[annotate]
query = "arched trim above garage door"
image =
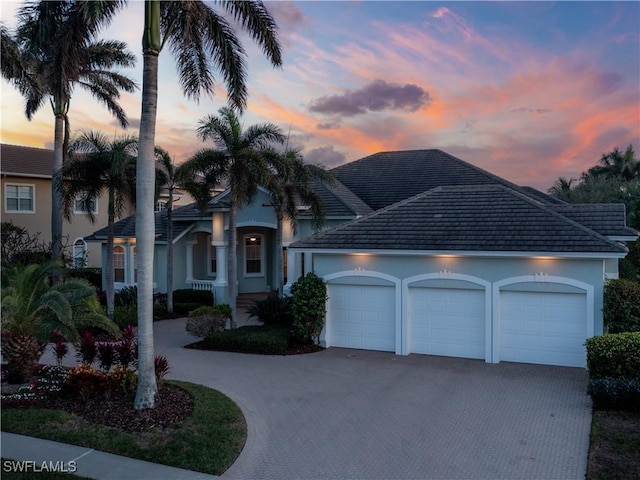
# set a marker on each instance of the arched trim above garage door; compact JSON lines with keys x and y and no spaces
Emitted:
{"x":540,"y":279}
{"x":444,"y":276}
{"x":369,"y":277}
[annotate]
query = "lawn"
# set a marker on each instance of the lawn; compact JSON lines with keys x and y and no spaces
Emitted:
{"x":615,"y":445}
{"x":208,"y":441}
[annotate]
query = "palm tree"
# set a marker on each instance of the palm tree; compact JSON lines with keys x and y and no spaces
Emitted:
{"x":58,"y":50}
{"x":200,"y":39}
{"x":618,"y":164}
{"x":32,"y":308}
{"x":168,"y":179}
{"x":96,"y":165}
{"x":291,"y":188}
{"x":561,"y":188}
{"x":243,"y":159}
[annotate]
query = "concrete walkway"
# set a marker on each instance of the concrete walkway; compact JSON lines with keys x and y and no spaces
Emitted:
{"x":355,"y":414}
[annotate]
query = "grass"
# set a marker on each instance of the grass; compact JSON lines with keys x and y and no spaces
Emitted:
{"x":614,"y":452}
{"x":208,"y":441}
{"x":9,"y":472}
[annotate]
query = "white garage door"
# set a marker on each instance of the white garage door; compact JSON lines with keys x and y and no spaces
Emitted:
{"x":362,"y":316}
{"x":545,"y":328}
{"x":448,"y":322}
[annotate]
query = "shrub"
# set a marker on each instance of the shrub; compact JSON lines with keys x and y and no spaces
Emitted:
{"x":106,"y":355}
{"x":125,"y":315}
{"x":123,"y":379}
{"x":614,"y":355}
{"x":615,"y":393}
{"x":161,"y":365}
{"x":203,"y":321}
{"x":60,"y":348}
{"x":86,"y":348}
{"x":272,"y":310}
{"x":622,"y":306}
{"x":188,"y":295}
{"x":92,"y":275}
{"x":263,"y":340}
{"x":127,"y":348}
{"x":126,"y":296}
{"x":308,"y":308}
{"x":185,"y":308}
{"x":86,"y":382}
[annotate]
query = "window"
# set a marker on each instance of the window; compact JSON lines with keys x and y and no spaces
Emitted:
{"x":161,"y":206}
{"x":84,"y":205}
{"x":211,"y":259}
{"x":253,"y":254}
{"x":19,"y":198}
{"x":118,"y":264}
{"x":79,"y":253}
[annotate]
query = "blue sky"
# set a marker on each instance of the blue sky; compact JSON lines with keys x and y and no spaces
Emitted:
{"x":528,"y":90}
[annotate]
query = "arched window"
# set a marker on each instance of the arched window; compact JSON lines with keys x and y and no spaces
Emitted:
{"x":161,"y":206}
{"x":79,"y":253}
{"x":118,"y":263}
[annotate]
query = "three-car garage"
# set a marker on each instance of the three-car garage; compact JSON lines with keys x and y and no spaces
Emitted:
{"x":531,"y":319}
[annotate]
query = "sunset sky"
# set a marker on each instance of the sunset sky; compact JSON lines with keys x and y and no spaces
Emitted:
{"x":528,"y":90}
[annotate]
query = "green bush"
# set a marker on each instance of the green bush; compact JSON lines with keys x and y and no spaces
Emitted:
{"x":92,"y":275}
{"x":308,"y":308}
{"x":272,"y":340}
{"x":615,"y":393}
{"x":615,"y":355}
{"x":622,"y":306}
{"x":204,"y":321}
{"x":125,"y":315}
{"x":185,"y":308}
{"x":272,"y":310}
{"x":126,"y":296}
{"x":189,"y":295}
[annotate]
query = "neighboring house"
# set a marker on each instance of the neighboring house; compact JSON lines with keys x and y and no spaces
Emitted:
{"x":422,"y":253}
{"x":26,"y":201}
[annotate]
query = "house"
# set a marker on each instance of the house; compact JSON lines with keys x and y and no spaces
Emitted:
{"x":26,"y":201}
{"x":422,"y":253}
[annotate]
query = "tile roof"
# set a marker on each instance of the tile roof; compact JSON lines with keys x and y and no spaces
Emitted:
{"x":386,"y":178}
{"x":476,"y":218}
{"x":535,"y":193}
{"x":608,"y":219}
{"x":339,"y":201}
{"x":25,"y":161}
{"x":126,"y":228}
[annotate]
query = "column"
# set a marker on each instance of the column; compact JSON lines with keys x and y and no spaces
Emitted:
{"x":291,"y":271}
{"x":189,"y":259}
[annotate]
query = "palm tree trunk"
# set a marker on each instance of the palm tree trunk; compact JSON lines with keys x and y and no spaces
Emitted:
{"x":170,"y":252}
{"x":147,"y":391}
{"x":110,"y":275}
{"x":56,"y":200}
{"x":233,"y":262}
{"x":279,"y":255}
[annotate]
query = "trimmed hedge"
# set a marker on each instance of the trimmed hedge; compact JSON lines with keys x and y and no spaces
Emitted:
{"x":272,"y":340}
{"x":614,"y":355}
{"x":615,"y":393}
{"x":622,"y":306}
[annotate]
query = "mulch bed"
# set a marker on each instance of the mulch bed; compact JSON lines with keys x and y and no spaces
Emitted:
{"x":117,"y":411}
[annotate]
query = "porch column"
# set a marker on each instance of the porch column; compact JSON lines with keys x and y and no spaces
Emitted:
{"x":291,"y":271}
{"x":189,"y":265}
{"x":308,"y":263}
{"x":221,"y":283}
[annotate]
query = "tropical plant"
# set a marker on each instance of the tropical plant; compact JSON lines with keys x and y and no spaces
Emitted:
{"x":96,"y":165}
{"x":169,"y":180}
{"x":32,"y":308}
{"x":616,"y":164}
{"x":19,"y":247}
{"x":200,"y":39}
{"x":562,"y":188}
{"x":291,"y":189}
{"x":243,"y":160}
{"x":308,"y":308}
{"x":54,"y":50}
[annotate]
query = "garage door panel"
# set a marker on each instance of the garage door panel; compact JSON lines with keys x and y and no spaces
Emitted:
{"x":449,"y":322}
{"x":362,"y":316}
{"x":542,"y":327}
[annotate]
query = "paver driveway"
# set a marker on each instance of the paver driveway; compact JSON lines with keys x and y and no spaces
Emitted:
{"x":356,"y":414}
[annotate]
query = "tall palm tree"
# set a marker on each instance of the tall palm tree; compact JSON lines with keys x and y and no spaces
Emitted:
{"x":243,"y":159}
{"x":168,"y":179}
{"x":59,"y":50}
{"x":96,"y":165}
{"x":291,"y":188}
{"x":618,"y":164}
{"x":200,"y":39}
{"x":561,"y":188}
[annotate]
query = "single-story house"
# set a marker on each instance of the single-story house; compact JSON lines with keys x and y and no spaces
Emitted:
{"x":422,"y":253}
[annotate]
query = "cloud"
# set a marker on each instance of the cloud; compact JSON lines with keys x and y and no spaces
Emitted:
{"x":328,"y":126}
{"x":538,"y":111}
{"x":327,"y":156}
{"x":374,"y":97}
